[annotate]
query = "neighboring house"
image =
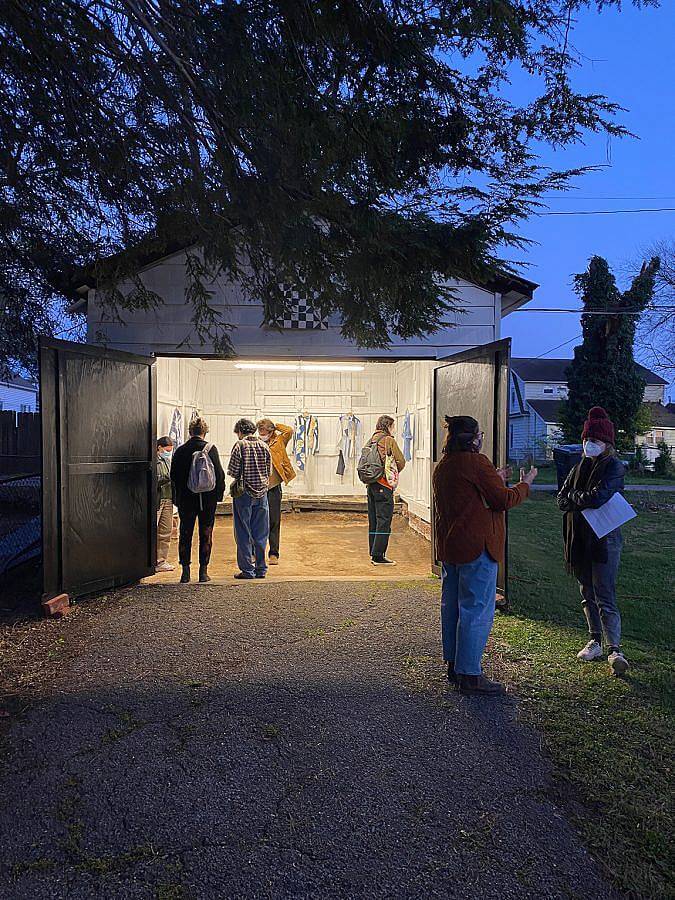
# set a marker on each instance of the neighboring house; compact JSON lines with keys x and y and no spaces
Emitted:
{"x":18,"y":394}
{"x":537,"y":388}
{"x":663,"y":429}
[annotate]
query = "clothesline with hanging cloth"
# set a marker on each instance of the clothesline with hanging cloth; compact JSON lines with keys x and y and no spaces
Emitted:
{"x":305,"y":439}
{"x":349,"y":440}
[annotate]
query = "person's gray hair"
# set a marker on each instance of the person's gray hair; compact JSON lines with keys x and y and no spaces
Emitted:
{"x":244,"y":426}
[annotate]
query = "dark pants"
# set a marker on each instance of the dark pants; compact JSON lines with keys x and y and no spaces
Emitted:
{"x":188,"y":517}
{"x":380,"y":514}
{"x":598,"y":592}
{"x":274,"y":500}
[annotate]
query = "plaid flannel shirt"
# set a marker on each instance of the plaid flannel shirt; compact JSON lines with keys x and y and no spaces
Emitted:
{"x":251,"y":460}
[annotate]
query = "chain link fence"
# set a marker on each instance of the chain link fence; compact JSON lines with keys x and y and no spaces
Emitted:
{"x":20,"y":524}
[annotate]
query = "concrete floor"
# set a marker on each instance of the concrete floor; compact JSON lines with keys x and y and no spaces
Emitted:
{"x":316,"y":546}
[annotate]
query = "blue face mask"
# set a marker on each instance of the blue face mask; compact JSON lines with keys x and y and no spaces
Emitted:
{"x":166,"y":455}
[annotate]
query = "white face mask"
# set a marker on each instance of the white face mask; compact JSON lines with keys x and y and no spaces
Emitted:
{"x":264,"y":437}
{"x":594,"y":448}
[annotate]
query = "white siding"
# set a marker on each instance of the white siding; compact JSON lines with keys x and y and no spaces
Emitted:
{"x":545,"y":390}
{"x":168,"y":329}
{"x":655,"y":393}
{"x":527,"y":434}
{"x":17,"y":398}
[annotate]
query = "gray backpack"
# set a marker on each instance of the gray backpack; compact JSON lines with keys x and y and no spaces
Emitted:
{"x":370,"y":468}
{"x":202,"y":475}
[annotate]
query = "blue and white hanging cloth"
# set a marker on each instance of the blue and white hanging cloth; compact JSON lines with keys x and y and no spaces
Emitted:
{"x":408,"y":435}
{"x":305,"y":439}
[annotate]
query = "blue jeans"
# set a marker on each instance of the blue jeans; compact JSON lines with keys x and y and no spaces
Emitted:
{"x":468,"y":594}
{"x":599,"y":594}
{"x":251,"y":531}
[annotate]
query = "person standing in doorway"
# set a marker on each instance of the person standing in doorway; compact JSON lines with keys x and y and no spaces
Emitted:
{"x":196,"y":507}
{"x":592,"y":560}
{"x":277,"y":437}
{"x":164,"y":504}
{"x":381,"y":492}
{"x":470,"y":498}
{"x":250,"y":466}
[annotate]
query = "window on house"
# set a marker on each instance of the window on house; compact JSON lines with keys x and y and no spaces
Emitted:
{"x":511,"y":437}
{"x":25,"y":407}
{"x":513,"y":398}
{"x":548,"y":390}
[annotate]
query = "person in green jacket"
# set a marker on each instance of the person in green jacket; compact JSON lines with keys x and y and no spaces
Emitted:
{"x":164,"y":504}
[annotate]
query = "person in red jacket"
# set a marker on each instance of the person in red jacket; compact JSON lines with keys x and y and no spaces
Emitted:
{"x":470,"y":497}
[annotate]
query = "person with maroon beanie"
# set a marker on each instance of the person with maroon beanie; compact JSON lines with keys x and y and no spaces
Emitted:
{"x":470,"y":498}
{"x":595,"y":561}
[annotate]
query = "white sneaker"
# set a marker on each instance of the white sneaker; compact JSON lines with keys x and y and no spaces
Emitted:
{"x":618,"y":663}
{"x":591,"y":651}
{"x":164,"y":567}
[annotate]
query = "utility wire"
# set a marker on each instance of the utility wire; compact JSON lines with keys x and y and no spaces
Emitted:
{"x":604,"y":212}
{"x":573,"y":197}
{"x":597,"y":312}
{"x":564,"y":343}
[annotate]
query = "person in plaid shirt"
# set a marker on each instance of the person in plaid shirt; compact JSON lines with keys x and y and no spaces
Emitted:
{"x":250,"y":466}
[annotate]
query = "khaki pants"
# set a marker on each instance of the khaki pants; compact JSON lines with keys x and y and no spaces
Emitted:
{"x":164,"y":529}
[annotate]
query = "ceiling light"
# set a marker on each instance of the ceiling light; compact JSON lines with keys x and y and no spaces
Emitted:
{"x":300,"y":367}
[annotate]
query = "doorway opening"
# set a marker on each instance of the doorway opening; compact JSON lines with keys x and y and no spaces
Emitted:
{"x":324,"y":531}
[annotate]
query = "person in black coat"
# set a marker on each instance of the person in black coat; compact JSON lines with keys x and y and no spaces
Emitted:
{"x":595,"y":561}
{"x":193,"y":507}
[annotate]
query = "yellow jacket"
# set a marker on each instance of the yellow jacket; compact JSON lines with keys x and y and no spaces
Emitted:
{"x":277,"y":444}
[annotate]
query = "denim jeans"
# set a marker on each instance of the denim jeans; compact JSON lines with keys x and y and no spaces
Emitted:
{"x":599,"y":594}
{"x":468,"y":594}
{"x":251,"y":532}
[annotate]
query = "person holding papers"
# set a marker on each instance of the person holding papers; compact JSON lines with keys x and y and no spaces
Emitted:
{"x":593,"y":560}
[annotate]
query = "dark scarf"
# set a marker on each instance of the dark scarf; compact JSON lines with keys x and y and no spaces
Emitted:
{"x":582,"y":546}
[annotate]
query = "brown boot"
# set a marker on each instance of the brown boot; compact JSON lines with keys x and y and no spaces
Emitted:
{"x":479,"y":684}
{"x":203,"y":574}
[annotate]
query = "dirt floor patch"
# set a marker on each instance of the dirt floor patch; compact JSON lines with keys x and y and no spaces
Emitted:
{"x":270,"y":740}
{"x":317,"y":545}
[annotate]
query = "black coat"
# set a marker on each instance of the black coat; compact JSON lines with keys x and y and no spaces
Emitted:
{"x":180,"y":469}
{"x":589,"y":485}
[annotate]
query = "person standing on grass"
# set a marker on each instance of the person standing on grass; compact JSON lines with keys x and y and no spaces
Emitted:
{"x":192,"y":506}
{"x":470,"y":498}
{"x":164,"y":504}
{"x":381,"y":492}
{"x":276,"y":436}
{"x":595,"y":561}
{"x":250,"y":466}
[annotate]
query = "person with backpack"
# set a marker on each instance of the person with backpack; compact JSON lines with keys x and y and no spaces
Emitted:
{"x":199,"y":484}
{"x":250,"y":466}
{"x":470,"y":499}
{"x":379,"y":467}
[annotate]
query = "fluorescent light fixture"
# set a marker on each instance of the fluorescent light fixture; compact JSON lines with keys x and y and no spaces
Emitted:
{"x":300,"y":367}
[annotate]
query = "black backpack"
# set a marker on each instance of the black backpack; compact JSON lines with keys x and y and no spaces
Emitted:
{"x":370,"y":468}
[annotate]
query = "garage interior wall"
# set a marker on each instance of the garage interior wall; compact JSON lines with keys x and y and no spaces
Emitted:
{"x":223,"y":393}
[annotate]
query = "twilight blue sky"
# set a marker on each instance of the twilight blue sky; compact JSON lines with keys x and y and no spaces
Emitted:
{"x":629,"y":57}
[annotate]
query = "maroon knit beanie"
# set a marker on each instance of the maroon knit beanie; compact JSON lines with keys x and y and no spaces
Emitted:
{"x":598,"y":426}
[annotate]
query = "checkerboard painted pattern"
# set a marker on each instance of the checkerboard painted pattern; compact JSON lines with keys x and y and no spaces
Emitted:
{"x":302,"y":314}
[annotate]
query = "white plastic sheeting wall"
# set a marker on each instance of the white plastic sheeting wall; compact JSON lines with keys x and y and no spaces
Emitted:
{"x":222,"y":394}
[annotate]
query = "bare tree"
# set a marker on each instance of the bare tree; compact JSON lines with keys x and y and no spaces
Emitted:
{"x":656,"y":330}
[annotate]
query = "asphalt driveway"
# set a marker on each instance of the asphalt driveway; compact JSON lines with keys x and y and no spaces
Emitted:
{"x":275,"y":740}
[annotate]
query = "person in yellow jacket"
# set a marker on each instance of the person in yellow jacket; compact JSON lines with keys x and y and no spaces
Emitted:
{"x":277,"y":437}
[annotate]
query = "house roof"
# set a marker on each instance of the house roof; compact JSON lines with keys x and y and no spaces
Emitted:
{"x":554,"y":370}
{"x":663,"y":416}
{"x":548,"y":410}
{"x":20,"y":382}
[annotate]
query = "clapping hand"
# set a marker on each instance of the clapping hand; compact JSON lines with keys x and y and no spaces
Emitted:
{"x":505,"y":473}
{"x":528,"y":477}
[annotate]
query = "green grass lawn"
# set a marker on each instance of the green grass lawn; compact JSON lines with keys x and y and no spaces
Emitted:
{"x":547,"y":475}
{"x":610,"y":738}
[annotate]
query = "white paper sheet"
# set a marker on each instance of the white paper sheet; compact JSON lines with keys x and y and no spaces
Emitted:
{"x":617,"y":511}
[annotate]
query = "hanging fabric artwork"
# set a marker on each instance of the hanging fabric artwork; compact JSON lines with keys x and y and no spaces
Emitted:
{"x":408,"y":435}
{"x":305,"y":439}
{"x":349,"y":440}
{"x":176,"y":427}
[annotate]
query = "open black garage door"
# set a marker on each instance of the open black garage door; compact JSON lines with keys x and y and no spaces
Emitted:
{"x":475,"y":383}
{"x":98,"y":467}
